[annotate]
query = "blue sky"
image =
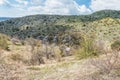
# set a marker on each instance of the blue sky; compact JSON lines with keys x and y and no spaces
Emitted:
{"x":17,"y":8}
{"x":83,"y":2}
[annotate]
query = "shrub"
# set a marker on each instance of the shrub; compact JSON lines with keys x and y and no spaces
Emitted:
{"x":116,"y":45}
{"x":16,"y":57}
{"x":3,"y":42}
{"x":36,"y":54}
{"x":87,"y":48}
{"x":36,"y":59}
{"x":33,"y":43}
{"x":110,"y":62}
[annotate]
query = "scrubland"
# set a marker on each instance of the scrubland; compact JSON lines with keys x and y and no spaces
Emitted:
{"x":46,"y":47}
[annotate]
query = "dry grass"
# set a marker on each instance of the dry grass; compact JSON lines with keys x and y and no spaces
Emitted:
{"x":68,"y":69}
{"x":10,"y":72}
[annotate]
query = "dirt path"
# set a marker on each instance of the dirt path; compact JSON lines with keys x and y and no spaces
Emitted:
{"x":67,"y":70}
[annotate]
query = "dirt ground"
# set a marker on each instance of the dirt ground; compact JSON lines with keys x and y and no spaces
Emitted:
{"x":68,"y":69}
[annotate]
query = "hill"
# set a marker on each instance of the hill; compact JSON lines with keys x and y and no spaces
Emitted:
{"x":4,"y":18}
{"x":88,"y":47}
{"x":39,"y":26}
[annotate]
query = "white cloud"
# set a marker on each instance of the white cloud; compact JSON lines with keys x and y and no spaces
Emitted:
{"x":97,"y":5}
{"x":4,"y":2}
{"x":62,"y":7}
{"x":22,"y":2}
{"x":30,"y":7}
{"x":37,"y":2}
{"x":84,"y":9}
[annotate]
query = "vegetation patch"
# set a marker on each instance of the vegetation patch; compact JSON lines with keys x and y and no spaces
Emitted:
{"x":4,"y":42}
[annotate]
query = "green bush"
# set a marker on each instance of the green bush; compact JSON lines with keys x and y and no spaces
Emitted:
{"x":3,"y":42}
{"x":116,"y":45}
{"x":87,"y":48}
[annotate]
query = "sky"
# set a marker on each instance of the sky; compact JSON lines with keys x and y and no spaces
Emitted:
{"x":18,"y":8}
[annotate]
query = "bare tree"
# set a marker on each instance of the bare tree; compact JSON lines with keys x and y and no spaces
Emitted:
{"x":110,"y":61}
{"x":37,"y":54}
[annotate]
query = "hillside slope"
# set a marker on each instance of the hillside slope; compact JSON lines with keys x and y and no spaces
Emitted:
{"x":39,"y":26}
{"x":4,"y":18}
